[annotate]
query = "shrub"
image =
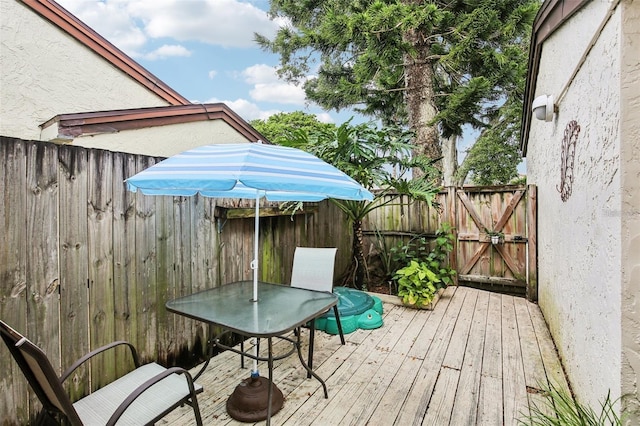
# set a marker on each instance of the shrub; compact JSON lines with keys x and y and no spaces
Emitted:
{"x":417,"y":284}
{"x":436,"y":259}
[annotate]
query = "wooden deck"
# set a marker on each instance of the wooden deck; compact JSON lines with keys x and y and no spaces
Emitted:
{"x":477,"y":358}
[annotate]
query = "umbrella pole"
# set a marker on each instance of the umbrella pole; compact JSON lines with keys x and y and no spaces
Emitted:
{"x":254,"y":263}
{"x":254,"y":266}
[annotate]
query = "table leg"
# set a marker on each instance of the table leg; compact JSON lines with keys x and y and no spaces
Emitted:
{"x":242,"y":352}
{"x":304,"y":363}
{"x":270,"y":392}
{"x":312,"y":329}
{"x":210,"y":344}
{"x":337,"y":315}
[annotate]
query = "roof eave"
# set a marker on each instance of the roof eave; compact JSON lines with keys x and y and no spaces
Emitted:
{"x":73,"y":125}
{"x":60,"y":17}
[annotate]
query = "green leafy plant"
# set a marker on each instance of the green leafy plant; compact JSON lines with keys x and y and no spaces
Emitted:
{"x":417,"y":284}
{"x":436,"y":259}
{"x":561,"y":409}
{"x":417,"y":248}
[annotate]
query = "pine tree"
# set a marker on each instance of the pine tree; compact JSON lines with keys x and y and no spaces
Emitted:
{"x":433,"y":66}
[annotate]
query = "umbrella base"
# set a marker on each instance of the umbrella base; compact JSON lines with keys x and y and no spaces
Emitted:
{"x":249,"y":400}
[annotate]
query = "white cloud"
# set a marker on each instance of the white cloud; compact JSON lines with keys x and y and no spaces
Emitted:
{"x":139,"y":26}
{"x":281,"y":93}
{"x":227,"y":23}
{"x":130,"y":23}
{"x":260,"y":74}
{"x":167,"y":50}
{"x":111,"y":20}
{"x":325,"y":117}
{"x":268,"y":88}
{"x":246,"y":109}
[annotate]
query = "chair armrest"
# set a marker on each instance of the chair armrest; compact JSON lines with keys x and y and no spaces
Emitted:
{"x":145,"y":386}
{"x":97,"y":351}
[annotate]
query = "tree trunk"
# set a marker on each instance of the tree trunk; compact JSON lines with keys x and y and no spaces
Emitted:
{"x":361,"y":272}
{"x":463,"y":172}
{"x":449,"y":161}
{"x":420,"y":98}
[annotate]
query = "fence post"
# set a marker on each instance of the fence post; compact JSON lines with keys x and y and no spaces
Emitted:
{"x":452,"y":218}
{"x":532,"y":245}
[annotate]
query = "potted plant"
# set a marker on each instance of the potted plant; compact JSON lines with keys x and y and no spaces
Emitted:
{"x":417,"y":284}
{"x":496,"y":237}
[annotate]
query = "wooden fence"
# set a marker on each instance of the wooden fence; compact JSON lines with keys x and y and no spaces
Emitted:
{"x":84,"y":262}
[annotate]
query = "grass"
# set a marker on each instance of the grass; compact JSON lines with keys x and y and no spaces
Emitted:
{"x":561,"y":409}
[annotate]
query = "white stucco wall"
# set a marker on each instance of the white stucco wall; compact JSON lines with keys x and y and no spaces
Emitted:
{"x":579,"y":244}
{"x":45,"y":72}
{"x":630,"y":208}
{"x":164,"y":141}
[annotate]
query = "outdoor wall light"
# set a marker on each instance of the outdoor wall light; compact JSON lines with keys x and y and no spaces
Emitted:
{"x":543,"y":107}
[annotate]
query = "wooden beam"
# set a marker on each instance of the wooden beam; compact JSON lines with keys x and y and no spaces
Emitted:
{"x":491,"y":280}
{"x":471,"y":209}
{"x":244,"y":213}
{"x":507,"y":258}
{"x":509,"y":210}
{"x":472,"y":261}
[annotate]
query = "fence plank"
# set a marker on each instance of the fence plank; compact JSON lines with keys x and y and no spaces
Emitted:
{"x":124,"y":265}
{"x":13,"y":285}
{"x":167,"y":282}
{"x":202,"y":258}
{"x":182,"y":211}
{"x":42,"y":251}
{"x":100,"y":252}
{"x":74,"y":309}
{"x":145,"y":280}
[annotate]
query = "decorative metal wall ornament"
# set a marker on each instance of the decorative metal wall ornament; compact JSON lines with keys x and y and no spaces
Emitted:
{"x":567,"y":158}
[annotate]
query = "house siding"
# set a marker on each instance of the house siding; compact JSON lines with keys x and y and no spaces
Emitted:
{"x":164,"y":141}
{"x":630,"y":207}
{"x":579,"y":244}
{"x":46,"y":72}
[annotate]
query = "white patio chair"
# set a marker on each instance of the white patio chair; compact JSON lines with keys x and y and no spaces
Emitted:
{"x":313,"y":270}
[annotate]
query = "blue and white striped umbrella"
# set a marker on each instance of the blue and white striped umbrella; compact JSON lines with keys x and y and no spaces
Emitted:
{"x":248,"y":170}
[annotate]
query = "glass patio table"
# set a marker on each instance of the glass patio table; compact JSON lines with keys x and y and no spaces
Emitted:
{"x":279,"y":310}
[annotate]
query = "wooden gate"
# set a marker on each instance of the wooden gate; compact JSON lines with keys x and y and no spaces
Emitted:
{"x":508,"y":214}
{"x":475,"y":213}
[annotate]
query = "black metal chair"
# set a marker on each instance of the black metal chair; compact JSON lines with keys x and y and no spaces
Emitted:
{"x":143,"y":396}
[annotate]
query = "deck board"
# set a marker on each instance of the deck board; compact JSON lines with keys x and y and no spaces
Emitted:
{"x":476,"y":359}
{"x":468,"y":391}
{"x":490,"y":405}
{"x":513,"y":384}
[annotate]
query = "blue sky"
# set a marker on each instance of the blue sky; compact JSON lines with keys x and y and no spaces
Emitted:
{"x":204,"y":49}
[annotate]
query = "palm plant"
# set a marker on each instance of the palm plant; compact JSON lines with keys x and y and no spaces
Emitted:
{"x":381,"y":161}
